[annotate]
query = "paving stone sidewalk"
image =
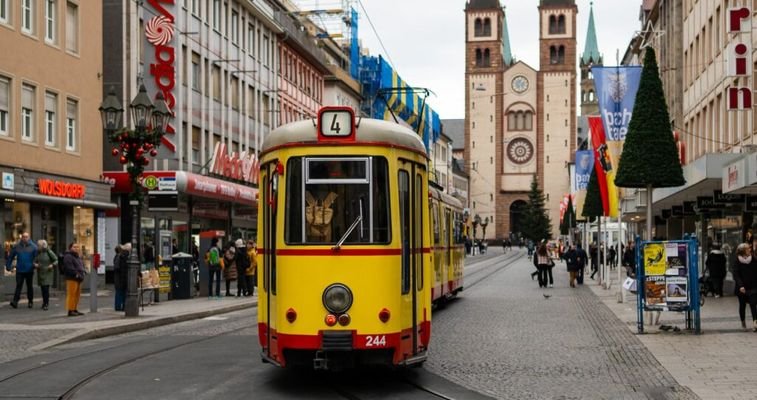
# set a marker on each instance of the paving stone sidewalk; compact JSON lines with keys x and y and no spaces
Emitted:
{"x":718,"y":364}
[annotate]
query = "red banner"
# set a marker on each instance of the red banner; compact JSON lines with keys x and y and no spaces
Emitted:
{"x":597,"y":142}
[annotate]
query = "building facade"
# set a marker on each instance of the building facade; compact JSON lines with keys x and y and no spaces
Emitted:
{"x":50,"y":130}
{"x":520,"y":122}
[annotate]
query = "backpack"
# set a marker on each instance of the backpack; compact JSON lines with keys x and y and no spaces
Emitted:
{"x":212,"y":256}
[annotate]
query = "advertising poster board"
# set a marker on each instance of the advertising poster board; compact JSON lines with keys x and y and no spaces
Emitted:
{"x":669,"y":275}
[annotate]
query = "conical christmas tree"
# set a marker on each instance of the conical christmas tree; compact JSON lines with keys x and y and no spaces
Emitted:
{"x":650,"y":156}
{"x":593,"y":203}
{"x":536,"y":223}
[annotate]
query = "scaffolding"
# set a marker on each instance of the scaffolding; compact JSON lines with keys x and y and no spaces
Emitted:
{"x":332,"y":17}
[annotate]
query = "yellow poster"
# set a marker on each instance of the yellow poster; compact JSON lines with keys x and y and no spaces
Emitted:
{"x":654,"y":259}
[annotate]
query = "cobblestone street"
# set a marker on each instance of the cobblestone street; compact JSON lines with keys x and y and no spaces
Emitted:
{"x":508,"y":340}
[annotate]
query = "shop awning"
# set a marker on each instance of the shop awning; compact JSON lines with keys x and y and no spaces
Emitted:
{"x":99,"y":205}
{"x":703,"y":178}
{"x":187,"y":183}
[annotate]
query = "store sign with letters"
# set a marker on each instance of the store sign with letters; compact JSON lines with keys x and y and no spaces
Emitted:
{"x":739,"y":56}
{"x":49,"y":187}
{"x":243,"y":167}
{"x":160,"y":56}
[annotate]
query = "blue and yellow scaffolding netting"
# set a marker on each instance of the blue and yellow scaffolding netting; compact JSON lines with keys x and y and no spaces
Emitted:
{"x":379,"y":79}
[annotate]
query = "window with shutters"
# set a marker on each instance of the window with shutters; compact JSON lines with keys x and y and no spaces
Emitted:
{"x":51,"y":106}
{"x":72,"y":27}
{"x":27,"y":113}
{"x":5,"y":95}
{"x":27,"y":16}
{"x":72,"y":126}
{"x":5,"y":11}
{"x":50,"y":21}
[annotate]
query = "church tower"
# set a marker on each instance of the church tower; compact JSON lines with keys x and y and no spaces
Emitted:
{"x":486,"y":56}
{"x":557,"y":101}
{"x":590,"y":58}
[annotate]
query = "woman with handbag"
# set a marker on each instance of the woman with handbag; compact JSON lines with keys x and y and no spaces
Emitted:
{"x":73,"y":269}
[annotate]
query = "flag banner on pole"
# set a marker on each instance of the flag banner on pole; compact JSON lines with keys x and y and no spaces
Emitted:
{"x":584,"y":165}
{"x":605,"y":163}
{"x":616,"y":95}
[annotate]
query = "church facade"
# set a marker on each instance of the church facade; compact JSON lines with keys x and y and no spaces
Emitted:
{"x":520,"y":122}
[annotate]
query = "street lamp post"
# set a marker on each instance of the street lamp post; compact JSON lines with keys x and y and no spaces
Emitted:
{"x":133,"y":147}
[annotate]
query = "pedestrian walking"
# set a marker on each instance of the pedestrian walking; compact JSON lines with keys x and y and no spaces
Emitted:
{"x":571,"y":261}
{"x":229,"y":268}
{"x":121,"y":275}
{"x":242,"y":262}
{"x":629,"y":260}
{"x":45,"y":264}
{"x":594,"y":254}
{"x":24,"y":252}
{"x":213,"y":259}
{"x":251,"y":274}
{"x":73,"y":270}
{"x":543,"y":263}
{"x":715,"y":264}
{"x":745,"y":275}
{"x":611,"y":257}
{"x":582,"y":258}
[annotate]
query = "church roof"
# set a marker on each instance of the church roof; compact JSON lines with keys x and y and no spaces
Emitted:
{"x":591,"y":51}
{"x":507,"y":55}
{"x":482,"y":4}
{"x":557,"y":2}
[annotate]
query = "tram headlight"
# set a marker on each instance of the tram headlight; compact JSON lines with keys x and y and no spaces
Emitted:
{"x":337,"y":298}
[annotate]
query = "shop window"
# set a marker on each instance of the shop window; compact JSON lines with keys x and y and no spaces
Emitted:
{"x":84,"y":233}
{"x":16,"y":220}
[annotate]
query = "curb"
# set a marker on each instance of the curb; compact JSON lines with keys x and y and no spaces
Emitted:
{"x":96,"y":333}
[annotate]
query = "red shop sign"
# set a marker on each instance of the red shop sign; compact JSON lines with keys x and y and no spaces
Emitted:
{"x":49,"y":187}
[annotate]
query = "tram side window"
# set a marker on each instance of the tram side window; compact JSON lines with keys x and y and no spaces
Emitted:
{"x":435,"y":216}
{"x":330,"y":197}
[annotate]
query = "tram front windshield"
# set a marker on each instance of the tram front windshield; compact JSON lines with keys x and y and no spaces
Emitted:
{"x":333,"y":199}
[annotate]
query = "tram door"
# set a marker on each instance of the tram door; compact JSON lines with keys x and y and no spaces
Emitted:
{"x":269,"y":202}
{"x":410,"y":192}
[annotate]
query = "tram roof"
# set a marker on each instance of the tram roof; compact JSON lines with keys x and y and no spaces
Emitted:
{"x":369,"y":131}
{"x":446,"y":198}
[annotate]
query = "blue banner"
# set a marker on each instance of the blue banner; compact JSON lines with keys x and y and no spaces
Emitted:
{"x":584,"y":165}
{"x":616,"y":94}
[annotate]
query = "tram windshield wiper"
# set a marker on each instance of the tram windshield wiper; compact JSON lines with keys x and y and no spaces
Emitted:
{"x":347,"y":234}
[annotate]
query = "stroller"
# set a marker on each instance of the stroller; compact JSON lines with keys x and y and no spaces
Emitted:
{"x":705,"y":286}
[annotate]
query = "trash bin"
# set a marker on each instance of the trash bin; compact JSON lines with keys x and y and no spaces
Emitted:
{"x":182,"y":278}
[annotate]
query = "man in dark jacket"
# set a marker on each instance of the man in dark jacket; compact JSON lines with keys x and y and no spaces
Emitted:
{"x":715,"y":263}
{"x":581,"y":259}
{"x":629,"y":260}
{"x":24,"y":252}
{"x":121,"y":275}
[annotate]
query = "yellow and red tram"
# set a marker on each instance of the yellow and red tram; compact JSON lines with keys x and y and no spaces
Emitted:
{"x":346,"y":245}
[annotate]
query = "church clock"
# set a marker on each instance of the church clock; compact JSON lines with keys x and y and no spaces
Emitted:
{"x":519,"y":84}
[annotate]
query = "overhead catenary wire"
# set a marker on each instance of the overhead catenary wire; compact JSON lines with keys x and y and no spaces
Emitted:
{"x":381,"y":43}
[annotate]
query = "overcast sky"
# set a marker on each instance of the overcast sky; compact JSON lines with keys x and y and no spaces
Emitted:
{"x":425,"y":39}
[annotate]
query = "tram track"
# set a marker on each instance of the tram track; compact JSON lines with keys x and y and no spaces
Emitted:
{"x":491,"y":266}
{"x":134,"y":356}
